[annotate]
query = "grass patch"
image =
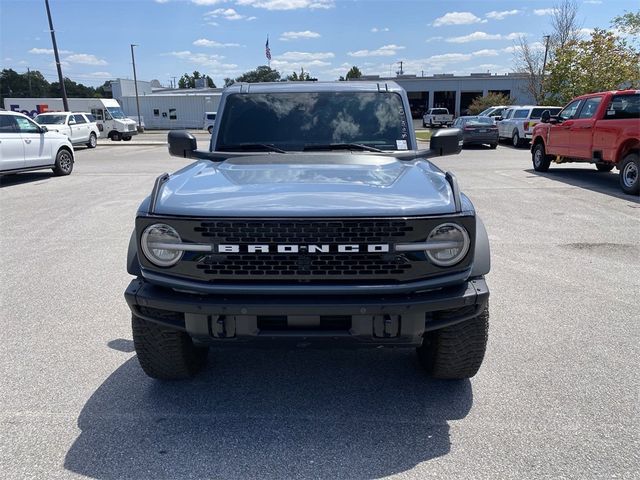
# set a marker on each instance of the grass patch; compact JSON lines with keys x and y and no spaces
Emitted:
{"x":423,"y":136}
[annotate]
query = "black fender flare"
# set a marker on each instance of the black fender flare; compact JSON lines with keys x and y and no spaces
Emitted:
{"x":133,"y":264}
{"x":482,"y":251}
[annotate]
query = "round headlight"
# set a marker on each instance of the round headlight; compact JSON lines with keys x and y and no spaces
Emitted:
{"x":449,"y":244}
{"x":156,"y":244}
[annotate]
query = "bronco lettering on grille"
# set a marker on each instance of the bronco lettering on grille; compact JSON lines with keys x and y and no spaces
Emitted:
{"x":311,"y":248}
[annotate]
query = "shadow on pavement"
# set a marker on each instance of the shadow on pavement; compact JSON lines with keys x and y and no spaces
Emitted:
{"x":26,"y":177}
{"x":258,"y":413}
{"x":587,"y":178}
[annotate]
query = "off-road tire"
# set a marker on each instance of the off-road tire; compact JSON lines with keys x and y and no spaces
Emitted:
{"x":116,"y":137}
{"x":93,"y":141}
{"x":64,"y":163}
{"x":165,"y":353}
{"x":540,"y":159}
{"x":604,"y":167}
{"x":493,"y":146}
{"x":629,"y":174}
{"x":456,"y":352}
{"x":127,"y":138}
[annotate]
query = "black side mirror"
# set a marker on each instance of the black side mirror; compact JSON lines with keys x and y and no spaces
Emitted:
{"x":497,"y":118}
{"x":446,"y":142}
{"x":182,"y":144}
{"x":43,"y":129}
{"x":545,"y":117}
{"x":555,"y":119}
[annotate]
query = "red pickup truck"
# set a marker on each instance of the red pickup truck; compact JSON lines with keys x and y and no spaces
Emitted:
{"x":601,"y":128}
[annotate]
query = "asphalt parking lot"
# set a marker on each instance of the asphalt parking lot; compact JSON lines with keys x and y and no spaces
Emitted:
{"x":557,"y":396}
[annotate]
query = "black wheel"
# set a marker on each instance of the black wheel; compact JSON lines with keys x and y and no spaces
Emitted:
{"x":424,"y":125}
{"x":629,"y":168}
{"x":115,"y":136}
{"x":430,"y":124}
{"x":127,"y":138}
{"x":456,"y":352}
{"x":93,"y":141}
{"x":494,"y":146}
{"x":604,"y":167}
{"x":165,"y":353}
{"x":540,"y":159}
{"x":64,"y":163}
{"x":515,"y":139}
{"x":210,"y":129}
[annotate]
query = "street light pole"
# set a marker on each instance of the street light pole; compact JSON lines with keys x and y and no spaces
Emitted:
{"x":544,"y":63}
{"x":135,"y":83}
{"x":65,"y":102}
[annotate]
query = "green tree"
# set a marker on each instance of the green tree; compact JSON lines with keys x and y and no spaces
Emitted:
{"x":603,"y":62}
{"x":72,"y":88}
{"x":628,"y":23}
{"x":22,"y":85}
{"x":189,"y":81}
{"x":301,"y":77}
{"x":229,"y":81}
{"x":490,"y":100}
{"x":261,"y":74}
{"x":353,"y":73}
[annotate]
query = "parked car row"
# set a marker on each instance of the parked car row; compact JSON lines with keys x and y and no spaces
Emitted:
{"x":26,"y":145}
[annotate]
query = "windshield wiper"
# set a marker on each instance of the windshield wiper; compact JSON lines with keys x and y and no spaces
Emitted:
{"x":339,"y":146}
{"x":247,"y":147}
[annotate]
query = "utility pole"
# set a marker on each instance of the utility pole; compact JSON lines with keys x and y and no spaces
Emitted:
{"x":400,"y":72}
{"x":135,"y":83}
{"x":65,"y":102}
{"x":544,"y":63}
{"x":174,"y":82}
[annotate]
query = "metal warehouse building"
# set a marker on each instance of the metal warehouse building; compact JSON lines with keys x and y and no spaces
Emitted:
{"x":457,"y":92}
{"x":168,"y":109}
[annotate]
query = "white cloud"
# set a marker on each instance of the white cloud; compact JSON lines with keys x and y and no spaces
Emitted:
{"x":286,"y":36}
{"x":434,"y":39}
{"x":205,"y":2}
{"x":203,"y":42}
{"x":384,"y":51}
{"x":102,"y":74}
{"x":593,"y":2}
{"x":287,"y":4}
{"x":85,"y":59}
{"x":47,"y":51}
{"x":208,"y":61}
{"x":305,"y":56}
{"x":478,"y":36}
{"x":226,"y":13}
{"x":585,"y":32}
{"x":544,"y":11}
{"x":495,"y":15}
{"x":457,"y":18}
{"x":162,"y":1}
{"x":382,"y":29}
{"x":486,"y":52}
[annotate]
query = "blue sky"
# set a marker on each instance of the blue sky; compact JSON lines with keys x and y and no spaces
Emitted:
{"x":224,"y":38}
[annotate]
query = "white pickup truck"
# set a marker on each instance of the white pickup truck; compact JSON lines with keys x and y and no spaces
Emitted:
{"x":80,"y":128}
{"x":439,"y":117}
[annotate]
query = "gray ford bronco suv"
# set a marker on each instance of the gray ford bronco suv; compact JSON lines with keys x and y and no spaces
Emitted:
{"x":313,"y":218}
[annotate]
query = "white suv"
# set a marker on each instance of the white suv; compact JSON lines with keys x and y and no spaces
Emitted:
{"x":81,"y":128}
{"x":25,"y":145}
{"x":517,"y":122}
{"x":209,"y":121}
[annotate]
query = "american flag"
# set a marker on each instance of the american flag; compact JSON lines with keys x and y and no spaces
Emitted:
{"x":267,"y":50}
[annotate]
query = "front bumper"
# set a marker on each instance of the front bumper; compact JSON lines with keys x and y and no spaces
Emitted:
{"x":393,"y":319}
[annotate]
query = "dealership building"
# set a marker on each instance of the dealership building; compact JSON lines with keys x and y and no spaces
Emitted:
{"x":170,"y":108}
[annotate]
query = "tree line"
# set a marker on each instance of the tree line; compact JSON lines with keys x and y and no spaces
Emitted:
{"x":33,"y":84}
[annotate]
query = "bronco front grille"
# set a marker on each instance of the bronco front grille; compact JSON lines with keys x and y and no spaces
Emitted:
{"x":342,"y":231}
{"x":333,"y":266}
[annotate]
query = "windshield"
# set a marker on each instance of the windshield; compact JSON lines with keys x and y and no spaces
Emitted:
{"x":480,"y":121}
{"x":486,"y":112}
{"x":51,"y":119}
{"x":297,"y":121}
{"x":116,"y":112}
